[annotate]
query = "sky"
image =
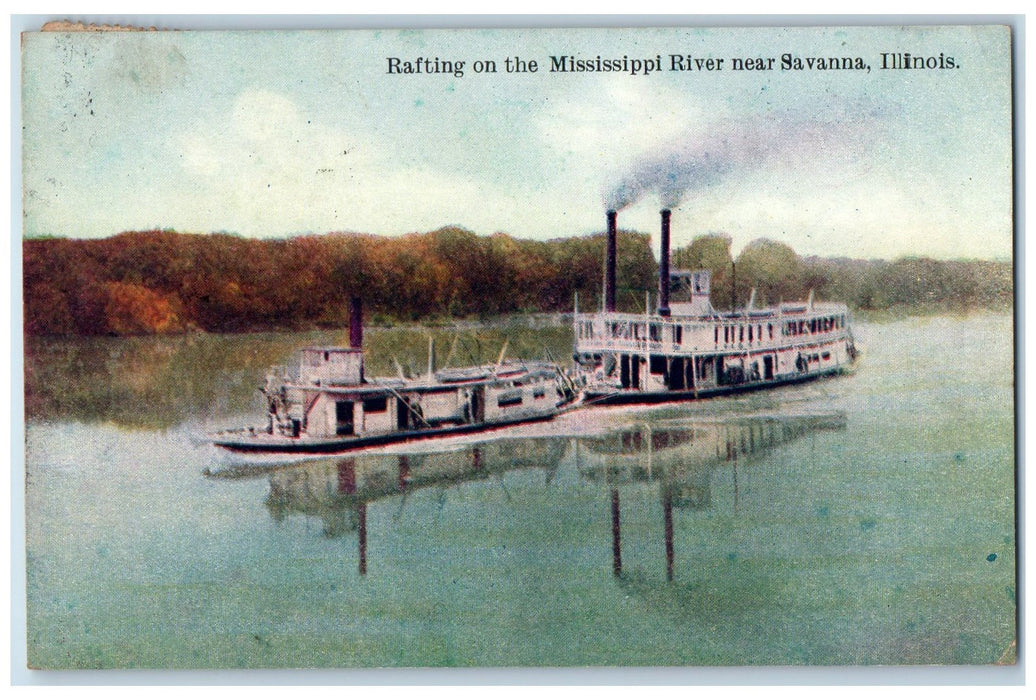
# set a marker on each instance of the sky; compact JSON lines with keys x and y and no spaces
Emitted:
{"x":272,"y":134}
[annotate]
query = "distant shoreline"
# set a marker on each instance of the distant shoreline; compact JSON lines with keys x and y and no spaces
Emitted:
{"x":163,"y":282}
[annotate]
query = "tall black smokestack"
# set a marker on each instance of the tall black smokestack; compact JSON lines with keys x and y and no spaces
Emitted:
{"x":356,"y":323}
{"x":609,"y":263}
{"x":663,"y":267}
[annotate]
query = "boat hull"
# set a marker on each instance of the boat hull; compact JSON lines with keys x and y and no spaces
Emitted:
{"x":636,"y":396}
{"x":267,"y":443}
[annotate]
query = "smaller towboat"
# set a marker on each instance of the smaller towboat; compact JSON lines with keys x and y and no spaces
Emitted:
{"x":326,"y":404}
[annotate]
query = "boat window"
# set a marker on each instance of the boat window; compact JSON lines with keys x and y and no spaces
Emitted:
{"x":717,"y":335}
{"x":769,"y":327}
{"x":741,"y":335}
{"x":539,"y":392}
{"x":656,"y":332}
{"x":749,"y":334}
{"x":378,"y":404}
{"x":511,"y":398}
{"x":677,"y":334}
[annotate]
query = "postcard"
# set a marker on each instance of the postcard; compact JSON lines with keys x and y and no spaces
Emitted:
{"x":476,"y":348}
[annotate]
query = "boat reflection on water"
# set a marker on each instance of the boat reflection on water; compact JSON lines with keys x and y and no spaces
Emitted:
{"x":680,"y":457}
{"x":681,"y":460}
{"x":338,"y":491}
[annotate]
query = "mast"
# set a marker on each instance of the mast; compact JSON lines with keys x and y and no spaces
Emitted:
{"x":733,"y":286}
{"x":647,"y":339}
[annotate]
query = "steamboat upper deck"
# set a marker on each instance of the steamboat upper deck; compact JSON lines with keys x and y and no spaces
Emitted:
{"x":689,"y":349}
{"x":750,"y":331}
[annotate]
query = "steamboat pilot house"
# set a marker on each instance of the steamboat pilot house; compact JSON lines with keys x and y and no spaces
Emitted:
{"x":687,"y":349}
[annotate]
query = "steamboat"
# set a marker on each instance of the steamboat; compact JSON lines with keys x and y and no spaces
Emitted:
{"x":326,"y":404}
{"x":686,"y":349}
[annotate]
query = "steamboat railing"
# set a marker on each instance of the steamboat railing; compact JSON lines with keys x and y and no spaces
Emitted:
{"x":634,"y":333}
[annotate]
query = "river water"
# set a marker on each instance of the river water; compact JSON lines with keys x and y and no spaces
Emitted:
{"x":865,"y":519}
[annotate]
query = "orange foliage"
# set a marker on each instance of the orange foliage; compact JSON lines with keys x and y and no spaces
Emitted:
{"x":132,"y":310}
{"x":164,"y":282}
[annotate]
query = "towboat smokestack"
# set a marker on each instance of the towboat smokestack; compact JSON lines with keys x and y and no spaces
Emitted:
{"x":663,"y":267}
{"x":356,"y":323}
{"x":609,"y":262}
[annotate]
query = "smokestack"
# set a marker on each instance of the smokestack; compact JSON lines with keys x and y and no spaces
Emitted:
{"x":609,"y":273}
{"x":356,"y":323}
{"x":663,"y":267}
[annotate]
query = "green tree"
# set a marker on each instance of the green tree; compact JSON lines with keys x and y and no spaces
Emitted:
{"x":773,"y":269}
{"x":710,"y":252}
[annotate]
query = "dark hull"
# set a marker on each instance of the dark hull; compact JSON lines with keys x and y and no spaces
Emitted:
{"x":635,"y":396}
{"x":304,"y":445}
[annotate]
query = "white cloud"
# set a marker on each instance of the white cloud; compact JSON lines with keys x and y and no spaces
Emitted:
{"x":615,"y":121}
{"x":268,"y":170}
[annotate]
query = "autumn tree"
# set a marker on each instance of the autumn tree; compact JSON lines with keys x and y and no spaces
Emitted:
{"x":163,"y":282}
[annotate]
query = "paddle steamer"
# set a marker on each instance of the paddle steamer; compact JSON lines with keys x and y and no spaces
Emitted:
{"x":686,"y":349}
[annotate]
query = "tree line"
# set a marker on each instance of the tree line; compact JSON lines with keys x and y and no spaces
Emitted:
{"x":167,"y":282}
{"x":909,"y":284}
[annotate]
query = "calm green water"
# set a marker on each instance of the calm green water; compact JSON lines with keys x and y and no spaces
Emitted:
{"x":867,"y":519}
